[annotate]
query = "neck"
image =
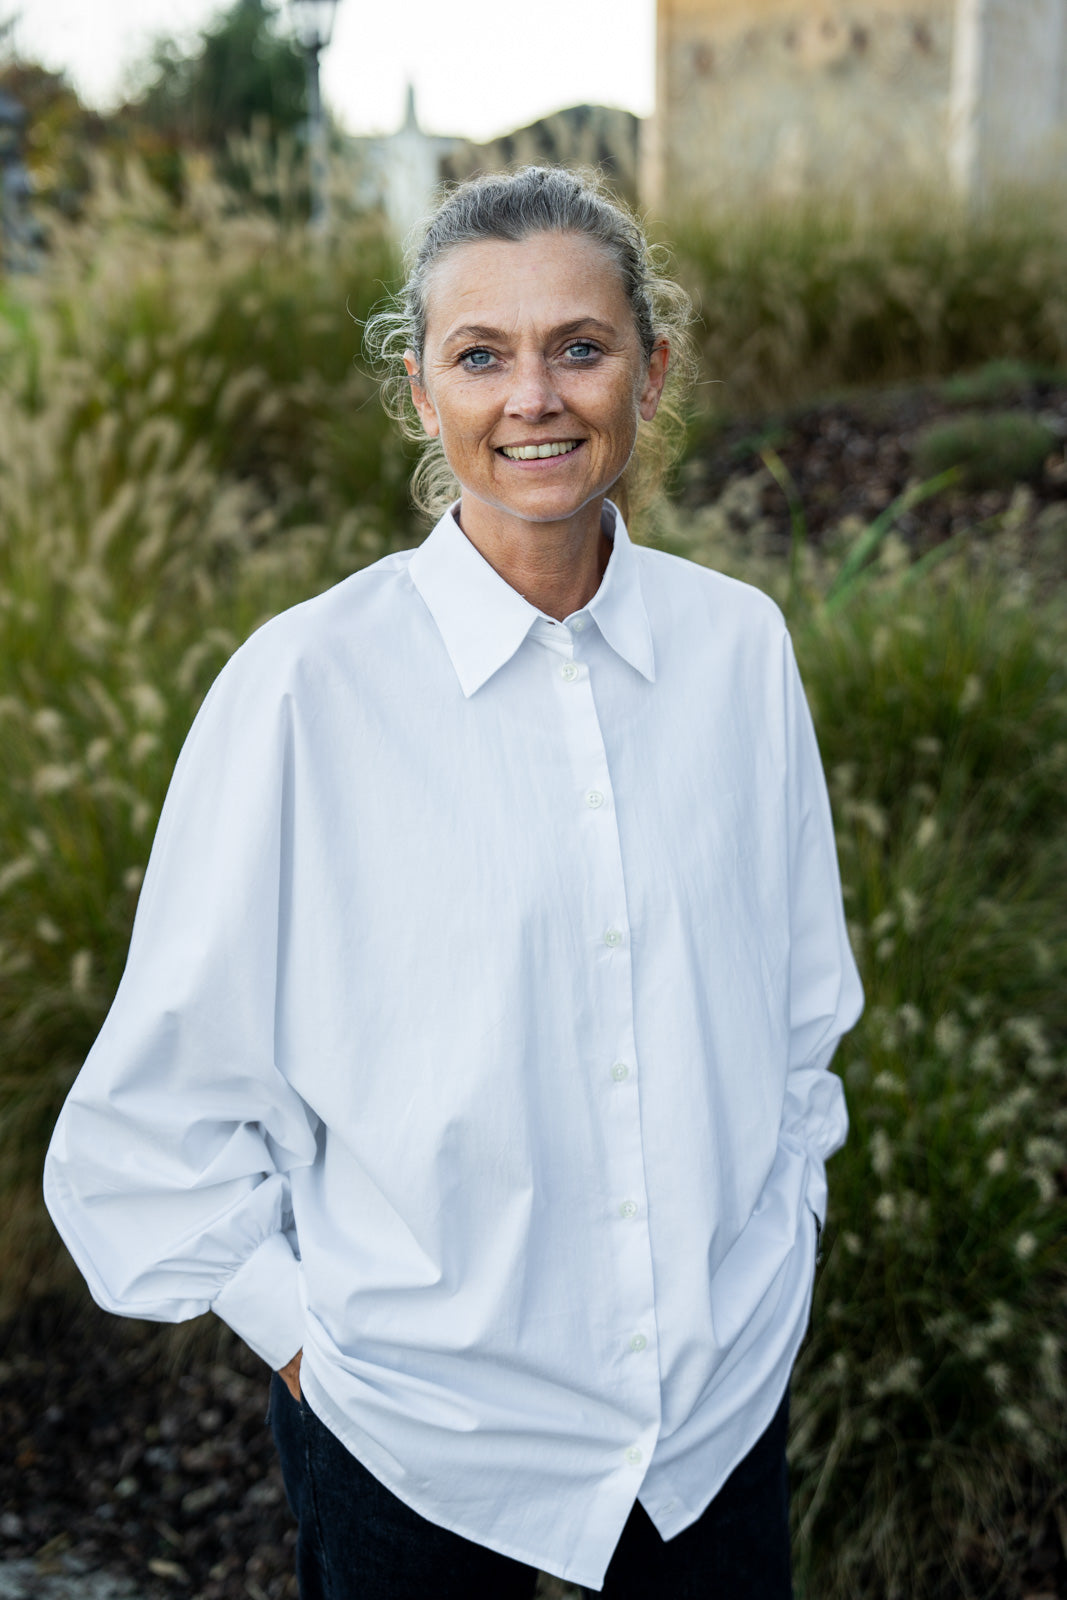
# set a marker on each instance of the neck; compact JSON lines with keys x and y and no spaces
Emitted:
{"x":556,"y":566}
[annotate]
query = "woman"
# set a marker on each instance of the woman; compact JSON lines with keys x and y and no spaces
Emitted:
{"x":471,"y":1057}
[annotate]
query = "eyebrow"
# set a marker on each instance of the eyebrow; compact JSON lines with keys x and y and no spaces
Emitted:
{"x":479,"y":330}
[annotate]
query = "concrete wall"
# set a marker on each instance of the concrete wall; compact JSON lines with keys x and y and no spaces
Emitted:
{"x":851,"y":96}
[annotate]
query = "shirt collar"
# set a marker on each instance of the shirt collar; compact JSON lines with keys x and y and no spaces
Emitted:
{"x":483,"y":620}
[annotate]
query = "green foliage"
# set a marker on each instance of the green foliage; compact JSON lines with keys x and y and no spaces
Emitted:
{"x":187,"y":445}
{"x":60,"y":133}
{"x":799,"y":300}
{"x":60,"y":140}
{"x":997,"y":383}
{"x":243,"y":73}
{"x":931,"y":1398}
{"x":995,"y":449}
{"x":244,"y":80}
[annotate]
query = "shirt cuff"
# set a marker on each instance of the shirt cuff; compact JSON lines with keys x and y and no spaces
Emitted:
{"x":262,"y":1302}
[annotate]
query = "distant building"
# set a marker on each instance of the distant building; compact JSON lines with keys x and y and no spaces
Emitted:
{"x":784,"y":96}
{"x":787,"y":97}
{"x":602,"y":137}
{"x":400,"y":171}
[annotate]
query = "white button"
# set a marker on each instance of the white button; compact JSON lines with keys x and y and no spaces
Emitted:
{"x":578,"y":624}
{"x":620,"y":1072}
{"x":594,"y":798}
{"x":670,"y":1505}
{"x":638,"y":1342}
{"x":633,"y":1456}
{"x":568,"y":671}
{"x":613,"y":937}
{"x":628,"y":1208}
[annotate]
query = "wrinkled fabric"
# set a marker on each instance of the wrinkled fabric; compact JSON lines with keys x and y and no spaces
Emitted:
{"x":475,"y":1038}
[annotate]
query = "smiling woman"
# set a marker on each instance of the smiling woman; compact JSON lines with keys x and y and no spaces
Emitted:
{"x":539,"y":418}
{"x":554,"y":212}
{"x":471,"y":1059}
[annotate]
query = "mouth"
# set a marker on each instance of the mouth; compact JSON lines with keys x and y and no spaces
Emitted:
{"x":539,"y":452}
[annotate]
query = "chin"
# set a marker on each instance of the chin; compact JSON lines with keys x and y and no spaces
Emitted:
{"x":557,"y":507}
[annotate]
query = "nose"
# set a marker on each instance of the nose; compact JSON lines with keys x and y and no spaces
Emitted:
{"x":532,"y":394}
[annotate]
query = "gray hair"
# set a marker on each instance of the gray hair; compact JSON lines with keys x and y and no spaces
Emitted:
{"x":513,"y":207}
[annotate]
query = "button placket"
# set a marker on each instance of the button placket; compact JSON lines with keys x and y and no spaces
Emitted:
{"x":627,"y":1241}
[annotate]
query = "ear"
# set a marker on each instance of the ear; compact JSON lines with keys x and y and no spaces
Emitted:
{"x":652,"y":389}
{"x":420,"y":396}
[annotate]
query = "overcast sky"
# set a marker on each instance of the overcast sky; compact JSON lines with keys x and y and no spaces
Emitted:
{"x":480,"y":67}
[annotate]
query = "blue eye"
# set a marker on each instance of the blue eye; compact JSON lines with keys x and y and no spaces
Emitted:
{"x":477,"y":360}
{"x":582,"y":350}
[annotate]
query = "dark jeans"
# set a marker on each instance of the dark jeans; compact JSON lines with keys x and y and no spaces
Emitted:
{"x":357,"y":1541}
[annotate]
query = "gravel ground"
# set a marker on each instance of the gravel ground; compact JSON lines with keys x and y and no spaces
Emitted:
{"x":62,"y":1579}
{"x":851,"y":458}
{"x":136,"y":1463}
{"x":117,"y":1453}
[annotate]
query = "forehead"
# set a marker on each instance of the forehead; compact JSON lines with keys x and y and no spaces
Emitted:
{"x":558,"y":277}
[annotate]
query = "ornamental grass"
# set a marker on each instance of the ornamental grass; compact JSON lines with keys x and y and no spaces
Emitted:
{"x":798,"y":299}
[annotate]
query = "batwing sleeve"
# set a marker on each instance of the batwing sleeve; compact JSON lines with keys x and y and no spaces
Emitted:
{"x":168,"y":1174}
{"x":825,"y":996}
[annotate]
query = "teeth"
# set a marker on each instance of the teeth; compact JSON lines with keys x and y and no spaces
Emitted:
{"x":538,"y":452}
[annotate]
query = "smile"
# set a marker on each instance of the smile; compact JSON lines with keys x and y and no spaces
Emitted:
{"x":539,"y":452}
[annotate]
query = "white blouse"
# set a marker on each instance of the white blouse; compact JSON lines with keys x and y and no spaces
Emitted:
{"x":474,"y":1037}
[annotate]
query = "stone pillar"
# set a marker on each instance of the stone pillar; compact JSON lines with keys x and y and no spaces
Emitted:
{"x":1008,"y":115}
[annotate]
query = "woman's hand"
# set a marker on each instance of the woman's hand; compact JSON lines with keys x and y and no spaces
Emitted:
{"x":290,"y":1375}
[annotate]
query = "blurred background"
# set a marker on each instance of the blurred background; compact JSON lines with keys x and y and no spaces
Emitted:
{"x":867,"y":200}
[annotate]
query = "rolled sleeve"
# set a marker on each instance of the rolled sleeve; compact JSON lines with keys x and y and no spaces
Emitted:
{"x":263,"y":1304}
{"x":168,"y":1172}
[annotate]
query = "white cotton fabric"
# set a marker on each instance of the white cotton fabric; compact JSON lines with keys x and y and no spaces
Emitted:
{"x":475,"y":1033}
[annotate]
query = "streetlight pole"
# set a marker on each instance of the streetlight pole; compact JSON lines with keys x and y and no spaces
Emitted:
{"x":313,"y":21}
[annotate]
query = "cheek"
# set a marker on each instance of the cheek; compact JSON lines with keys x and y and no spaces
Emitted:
{"x":626,"y":416}
{"x":621,"y":408}
{"x":464,"y":421}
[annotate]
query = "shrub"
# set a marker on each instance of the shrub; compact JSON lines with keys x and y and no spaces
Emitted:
{"x":930,"y":1402}
{"x":997,"y":383}
{"x":994,"y":450}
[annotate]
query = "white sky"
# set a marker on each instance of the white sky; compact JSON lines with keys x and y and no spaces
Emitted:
{"x":480,"y":67}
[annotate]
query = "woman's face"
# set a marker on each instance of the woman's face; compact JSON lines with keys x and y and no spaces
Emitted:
{"x":533,"y":376}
